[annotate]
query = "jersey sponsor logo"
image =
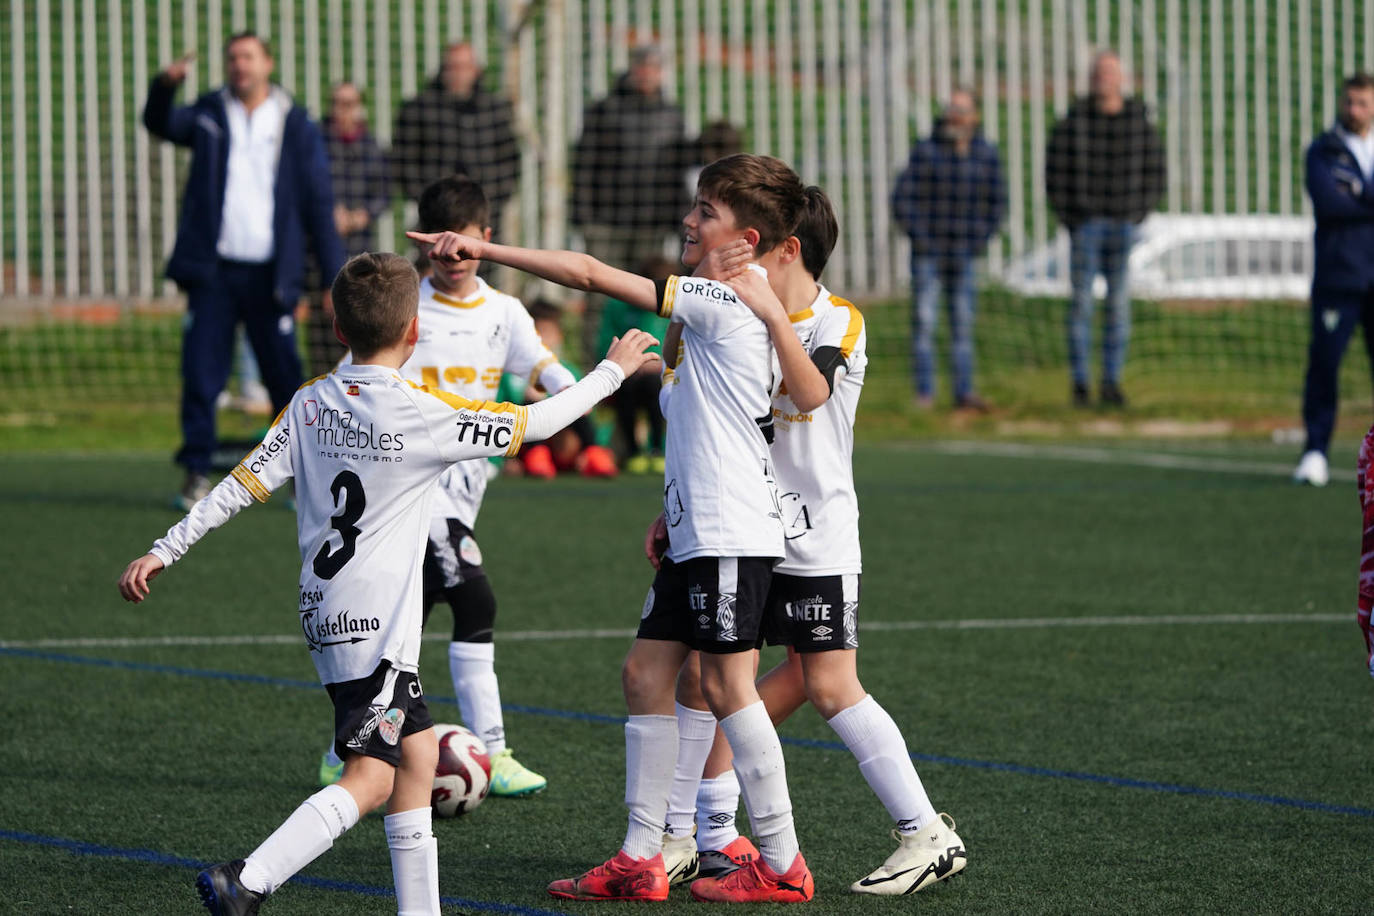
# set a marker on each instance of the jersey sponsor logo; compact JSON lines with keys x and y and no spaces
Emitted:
{"x":337,"y":429}
{"x":706,"y":290}
{"x":484,"y":429}
{"x":353,"y":390}
{"x":797,"y":417}
{"x":821,"y":632}
{"x":795,"y":514}
{"x":672,"y":504}
{"x":269,"y":450}
{"x":336,"y":629}
{"x":808,"y":610}
{"x":311,"y":410}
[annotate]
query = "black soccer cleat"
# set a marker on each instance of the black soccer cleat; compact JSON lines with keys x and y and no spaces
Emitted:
{"x":223,"y":894}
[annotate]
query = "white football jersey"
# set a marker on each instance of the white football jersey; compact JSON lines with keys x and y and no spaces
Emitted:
{"x":813,"y":452}
{"x":465,"y":346}
{"x":719,"y":496}
{"x":365,"y":447}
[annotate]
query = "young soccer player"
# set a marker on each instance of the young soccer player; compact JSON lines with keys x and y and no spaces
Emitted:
{"x":721,"y":505}
{"x":470,"y":334}
{"x":365,"y":448}
{"x":813,"y":600}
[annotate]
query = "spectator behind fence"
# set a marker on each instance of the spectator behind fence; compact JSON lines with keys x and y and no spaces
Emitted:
{"x":1104,"y":173}
{"x":362,"y":192}
{"x":455,"y":124}
{"x":258,"y":185}
{"x":627,"y":195}
{"x":950,"y":200}
{"x":716,"y":141}
{"x":1340,"y":181}
{"x":638,"y":395}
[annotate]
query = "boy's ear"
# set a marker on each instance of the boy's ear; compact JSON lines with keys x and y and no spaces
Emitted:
{"x":338,"y":332}
{"x":413,"y":332}
{"x":486,"y":234}
{"x":791,"y":249}
{"x":752,"y":236}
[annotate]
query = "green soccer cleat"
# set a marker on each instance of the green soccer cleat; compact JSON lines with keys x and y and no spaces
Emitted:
{"x":329,"y":773}
{"x":510,"y":778}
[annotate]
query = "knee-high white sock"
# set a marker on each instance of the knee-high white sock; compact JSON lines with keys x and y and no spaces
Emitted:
{"x":717,"y":804}
{"x":414,"y":862}
{"x":696,"y":732}
{"x":650,"y":753}
{"x":763,"y":782}
{"x":301,"y":839}
{"x":876,"y":742}
{"x":473,"y":667}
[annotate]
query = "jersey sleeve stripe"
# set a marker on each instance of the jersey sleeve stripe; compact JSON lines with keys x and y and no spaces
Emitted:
{"x":251,"y":483}
{"x":665,"y":308}
{"x":856,"y":324}
{"x":455,"y":401}
{"x":518,"y":439}
{"x":540,"y":366}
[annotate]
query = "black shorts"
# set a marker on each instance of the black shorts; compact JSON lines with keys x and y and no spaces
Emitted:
{"x":452,"y":557}
{"x":813,"y":613}
{"x":373,"y":714}
{"x":715,"y":604}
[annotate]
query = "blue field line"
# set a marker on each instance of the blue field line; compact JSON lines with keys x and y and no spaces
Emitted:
{"x":153,"y":857}
{"x":1122,"y":782}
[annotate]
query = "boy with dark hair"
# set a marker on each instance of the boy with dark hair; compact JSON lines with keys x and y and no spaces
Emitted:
{"x":365,"y":448}
{"x":721,"y":505}
{"x":470,"y":334}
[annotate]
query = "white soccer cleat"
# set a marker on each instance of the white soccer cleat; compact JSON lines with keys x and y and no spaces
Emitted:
{"x":679,"y":858}
{"x":930,"y":854}
{"x":1312,"y":469}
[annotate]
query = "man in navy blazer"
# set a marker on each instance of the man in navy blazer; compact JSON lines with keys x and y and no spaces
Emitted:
{"x":258,"y":188}
{"x":1340,"y":181}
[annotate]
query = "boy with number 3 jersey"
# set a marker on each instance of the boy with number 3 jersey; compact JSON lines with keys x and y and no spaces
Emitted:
{"x":365,"y":448}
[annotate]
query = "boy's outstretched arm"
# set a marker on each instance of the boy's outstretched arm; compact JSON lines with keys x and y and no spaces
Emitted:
{"x":572,"y":269}
{"x":625,"y":357}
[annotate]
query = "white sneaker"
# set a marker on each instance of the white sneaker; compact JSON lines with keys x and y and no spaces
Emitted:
{"x":1312,"y":469}
{"x":924,"y":857}
{"x":679,"y":858}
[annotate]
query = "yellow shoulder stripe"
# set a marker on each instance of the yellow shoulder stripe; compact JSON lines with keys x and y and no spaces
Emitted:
{"x":250,"y":482}
{"x":522,"y":418}
{"x":665,"y":308}
{"x":856,"y":325}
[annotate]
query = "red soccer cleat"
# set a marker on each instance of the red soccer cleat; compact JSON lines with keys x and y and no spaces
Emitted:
{"x":716,"y":863}
{"x":621,"y":878}
{"x":538,"y":461}
{"x":757,"y":883}
{"x":597,"y":461}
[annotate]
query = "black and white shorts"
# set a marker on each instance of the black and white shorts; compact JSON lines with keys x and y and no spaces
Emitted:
{"x":452,"y":557}
{"x":714,"y":604}
{"x":813,"y":613}
{"x":373,"y":714}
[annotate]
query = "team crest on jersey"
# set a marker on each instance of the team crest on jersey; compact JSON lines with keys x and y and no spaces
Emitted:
{"x":672,"y":504}
{"x":469,"y":551}
{"x":353,"y":390}
{"x":497,"y":336}
{"x":795,"y":515}
{"x":389,"y":725}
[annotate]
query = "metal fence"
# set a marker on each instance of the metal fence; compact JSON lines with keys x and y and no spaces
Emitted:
{"x":839,"y":88}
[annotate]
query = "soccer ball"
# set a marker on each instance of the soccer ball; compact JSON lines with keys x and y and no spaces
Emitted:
{"x":464,"y":773}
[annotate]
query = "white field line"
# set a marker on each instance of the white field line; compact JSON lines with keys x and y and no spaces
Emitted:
{"x":1090,"y":455}
{"x":876,"y":626}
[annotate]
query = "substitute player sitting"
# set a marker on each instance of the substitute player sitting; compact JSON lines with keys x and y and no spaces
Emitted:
{"x":721,"y":503}
{"x":470,"y":334}
{"x":813,"y":601}
{"x":365,"y":448}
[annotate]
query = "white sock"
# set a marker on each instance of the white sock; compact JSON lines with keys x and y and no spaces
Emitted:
{"x":650,"y":752}
{"x":763,"y":782}
{"x":301,"y":839}
{"x":414,"y":862}
{"x":696,"y":732}
{"x":331,"y":756}
{"x":473,"y":667}
{"x":717,"y":803}
{"x":876,"y":742}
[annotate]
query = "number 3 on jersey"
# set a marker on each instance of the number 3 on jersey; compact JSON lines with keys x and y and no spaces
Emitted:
{"x":329,"y":560}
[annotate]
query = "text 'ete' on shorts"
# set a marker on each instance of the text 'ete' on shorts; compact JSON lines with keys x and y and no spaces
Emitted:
{"x":714,"y":604}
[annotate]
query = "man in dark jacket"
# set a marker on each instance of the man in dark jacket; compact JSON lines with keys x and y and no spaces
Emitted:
{"x":1104,"y":173}
{"x":455,"y":125}
{"x":1340,"y":181}
{"x":258,"y":186}
{"x":628,"y":173}
{"x":949,"y":200}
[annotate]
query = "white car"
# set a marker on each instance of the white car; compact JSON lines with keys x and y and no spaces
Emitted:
{"x":1191,"y":256}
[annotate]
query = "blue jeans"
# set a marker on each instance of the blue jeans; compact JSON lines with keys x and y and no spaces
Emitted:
{"x":929,"y":273}
{"x":1100,"y":246}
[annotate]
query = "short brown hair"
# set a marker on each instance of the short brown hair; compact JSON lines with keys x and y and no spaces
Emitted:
{"x":1358,"y":80}
{"x":247,"y":35}
{"x":375,"y":296}
{"x":451,"y":203}
{"x":763,"y":193}
{"x":817,"y":230}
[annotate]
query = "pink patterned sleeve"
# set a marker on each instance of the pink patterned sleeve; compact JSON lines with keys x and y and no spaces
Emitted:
{"x":1366,"y":485}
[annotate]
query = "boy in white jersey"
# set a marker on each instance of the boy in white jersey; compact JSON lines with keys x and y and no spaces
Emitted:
{"x":365,"y":448}
{"x":721,"y":505}
{"x":470,"y":334}
{"x":814,"y":597}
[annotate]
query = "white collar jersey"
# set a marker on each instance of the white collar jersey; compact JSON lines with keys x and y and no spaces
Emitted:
{"x":720,"y":497}
{"x":365,"y":448}
{"x":813,"y":452}
{"x":465,"y":346}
